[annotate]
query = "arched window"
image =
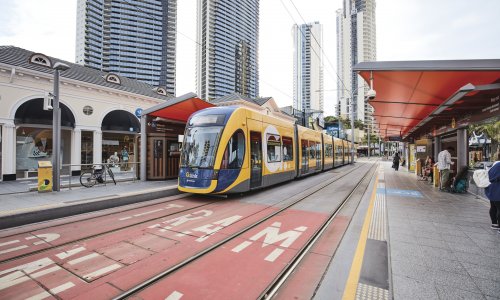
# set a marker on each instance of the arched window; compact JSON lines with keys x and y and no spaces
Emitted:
{"x":235,"y":152}
{"x":113,"y":78}
{"x":40,"y":59}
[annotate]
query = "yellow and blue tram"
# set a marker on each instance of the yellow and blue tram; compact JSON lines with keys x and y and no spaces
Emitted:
{"x":235,"y":149}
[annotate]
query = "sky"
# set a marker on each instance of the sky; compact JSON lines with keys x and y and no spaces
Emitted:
{"x":406,"y":30}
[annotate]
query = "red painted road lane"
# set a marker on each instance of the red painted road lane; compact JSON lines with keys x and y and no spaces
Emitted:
{"x":123,"y":258}
{"x":25,"y":243}
{"x":17,"y":245}
{"x":94,"y":226}
{"x":305,"y":279}
{"x":245,"y":266}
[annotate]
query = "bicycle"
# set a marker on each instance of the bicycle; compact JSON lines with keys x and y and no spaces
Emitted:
{"x":90,"y":177}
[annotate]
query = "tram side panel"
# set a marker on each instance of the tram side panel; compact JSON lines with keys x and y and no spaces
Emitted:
{"x":338,"y":152}
{"x":310,"y":151}
{"x":328,"y":151}
{"x":278,"y":151}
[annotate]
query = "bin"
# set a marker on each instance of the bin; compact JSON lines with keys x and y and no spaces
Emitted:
{"x":435,"y":177}
{"x":44,"y":176}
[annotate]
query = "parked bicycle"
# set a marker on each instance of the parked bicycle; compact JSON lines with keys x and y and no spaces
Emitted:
{"x":96,"y":175}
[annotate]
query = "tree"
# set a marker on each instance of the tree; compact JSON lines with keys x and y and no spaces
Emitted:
{"x":330,"y":119}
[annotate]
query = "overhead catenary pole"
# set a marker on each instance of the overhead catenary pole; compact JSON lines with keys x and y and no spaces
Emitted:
{"x":56,"y":131}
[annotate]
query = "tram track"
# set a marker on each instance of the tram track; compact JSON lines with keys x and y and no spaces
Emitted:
{"x":274,"y":287}
{"x":289,"y":203}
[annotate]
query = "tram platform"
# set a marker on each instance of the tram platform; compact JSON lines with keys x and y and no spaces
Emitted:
{"x":19,"y":205}
{"x":408,"y":240}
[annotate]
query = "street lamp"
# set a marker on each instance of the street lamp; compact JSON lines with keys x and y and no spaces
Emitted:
{"x":56,"y":132}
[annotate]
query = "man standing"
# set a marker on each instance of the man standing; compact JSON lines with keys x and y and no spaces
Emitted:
{"x":443,"y":164}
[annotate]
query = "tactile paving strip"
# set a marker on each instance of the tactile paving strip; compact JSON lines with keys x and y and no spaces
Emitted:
{"x":368,"y":292}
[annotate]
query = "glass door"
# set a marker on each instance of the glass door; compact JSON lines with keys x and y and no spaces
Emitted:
{"x":255,"y":159}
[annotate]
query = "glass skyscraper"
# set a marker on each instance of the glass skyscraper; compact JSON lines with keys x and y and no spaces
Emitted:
{"x":227,"y":51}
{"x":131,"y":38}
{"x":356,"y":42}
{"x":308,"y":67}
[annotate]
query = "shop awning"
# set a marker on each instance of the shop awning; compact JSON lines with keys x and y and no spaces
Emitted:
{"x":409,"y":92}
{"x":178,"y":109}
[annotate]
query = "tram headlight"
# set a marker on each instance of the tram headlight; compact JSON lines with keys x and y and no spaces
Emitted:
{"x":215,"y":175}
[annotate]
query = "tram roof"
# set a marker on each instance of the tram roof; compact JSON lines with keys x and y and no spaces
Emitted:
{"x":178,"y":109}
{"x":415,"y":97}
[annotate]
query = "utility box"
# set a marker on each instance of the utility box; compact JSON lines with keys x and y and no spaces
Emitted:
{"x":44,"y":176}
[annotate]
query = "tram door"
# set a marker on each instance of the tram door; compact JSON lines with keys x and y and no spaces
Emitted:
{"x":255,"y":159}
{"x":305,"y":156}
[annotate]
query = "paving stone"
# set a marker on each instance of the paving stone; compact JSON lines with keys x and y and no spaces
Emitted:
{"x":438,"y":252}
{"x":487,"y":287}
{"x":451,"y":293}
{"x":455,"y":280}
{"x":480,"y":260}
{"x":447,"y":265}
{"x":410,"y":270}
{"x":410,"y":289}
{"x":483,"y":272}
{"x":433,"y":243}
{"x":469,"y":248}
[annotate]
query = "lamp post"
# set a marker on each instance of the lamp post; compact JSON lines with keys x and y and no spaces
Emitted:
{"x":56,"y":132}
{"x":352,"y":128}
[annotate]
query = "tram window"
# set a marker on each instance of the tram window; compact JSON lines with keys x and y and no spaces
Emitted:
{"x":312,"y":150}
{"x":235,"y":151}
{"x":305,"y":149}
{"x":328,"y":150}
{"x":287,"y":148}
{"x":273,"y":147}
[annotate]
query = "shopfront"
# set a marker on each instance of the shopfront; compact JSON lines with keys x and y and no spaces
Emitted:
{"x":33,"y":137}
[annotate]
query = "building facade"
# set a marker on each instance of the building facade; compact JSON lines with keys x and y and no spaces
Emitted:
{"x":227,"y":52}
{"x":99,"y":114}
{"x":308,"y":67}
{"x":356,"y":42}
{"x":134,"y":39}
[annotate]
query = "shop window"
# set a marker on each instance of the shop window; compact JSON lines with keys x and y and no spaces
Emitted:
{"x":287,"y":148}
{"x":235,"y":152}
{"x":273,"y":147}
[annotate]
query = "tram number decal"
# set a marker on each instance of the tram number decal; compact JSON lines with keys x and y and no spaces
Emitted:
{"x":272,"y":236}
{"x":16,"y":244}
{"x":209,"y":229}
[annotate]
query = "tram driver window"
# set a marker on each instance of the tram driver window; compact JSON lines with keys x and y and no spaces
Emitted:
{"x":235,"y":150}
{"x":273,"y":148}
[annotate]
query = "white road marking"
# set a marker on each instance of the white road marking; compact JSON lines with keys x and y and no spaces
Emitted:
{"x":174,"y":296}
{"x":101,"y":271}
{"x":13,"y":249}
{"x":274,"y":255}
{"x":64,"y":255}
{"x":83,"y":258}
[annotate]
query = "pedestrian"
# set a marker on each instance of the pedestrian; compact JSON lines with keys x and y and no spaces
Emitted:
{"x":443,"y":164}
{"x":395,"y":161}
{"x":493,"y":193}
{"x":125,"y":158}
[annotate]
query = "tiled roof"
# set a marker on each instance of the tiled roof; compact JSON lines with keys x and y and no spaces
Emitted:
{"x":20,"y":58}
{"x":236,"y":97}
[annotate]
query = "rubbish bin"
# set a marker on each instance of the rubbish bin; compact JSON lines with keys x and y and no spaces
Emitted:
{"x":44,"y":176}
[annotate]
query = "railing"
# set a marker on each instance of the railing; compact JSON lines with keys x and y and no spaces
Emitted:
{"x":122,"y":171}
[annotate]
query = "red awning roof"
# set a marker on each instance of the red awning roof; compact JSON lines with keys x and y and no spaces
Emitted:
{"x":178,"y":109}
{"x":408,"y":92}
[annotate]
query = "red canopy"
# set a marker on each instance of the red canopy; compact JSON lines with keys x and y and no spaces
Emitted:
{"x":408,"y":92}
{"x":178,"y":109}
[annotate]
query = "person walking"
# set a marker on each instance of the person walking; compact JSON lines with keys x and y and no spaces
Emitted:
{"x":125,"y":158}
{"x":492,"y":191}
{"x":395,"y":161}
{"x":443,"y":164}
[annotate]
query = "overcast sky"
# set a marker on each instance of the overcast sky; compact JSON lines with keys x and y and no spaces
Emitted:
{"x":406,"y":30}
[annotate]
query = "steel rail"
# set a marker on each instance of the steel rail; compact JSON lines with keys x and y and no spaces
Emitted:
{"x":274,"y":287}
{"x":295,"y":200}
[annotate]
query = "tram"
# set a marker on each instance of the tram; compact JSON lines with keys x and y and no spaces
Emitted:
{"x":235,"y":149}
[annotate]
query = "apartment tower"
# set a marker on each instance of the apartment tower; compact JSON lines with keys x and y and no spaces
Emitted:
{"x":131,"y":38}
{"x":227,"y":50}
{"x":308,"y":67}
{"x":356,"y":42}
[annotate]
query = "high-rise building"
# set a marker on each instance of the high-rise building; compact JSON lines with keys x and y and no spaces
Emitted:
{"x":356,"y":42}
{"x":308,"y":67}
{"x":227,"y":52}
{"x":131,"y":38}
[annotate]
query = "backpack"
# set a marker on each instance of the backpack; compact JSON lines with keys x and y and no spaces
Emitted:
{"x":481,"y":178}
{"x":460,"y":186}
